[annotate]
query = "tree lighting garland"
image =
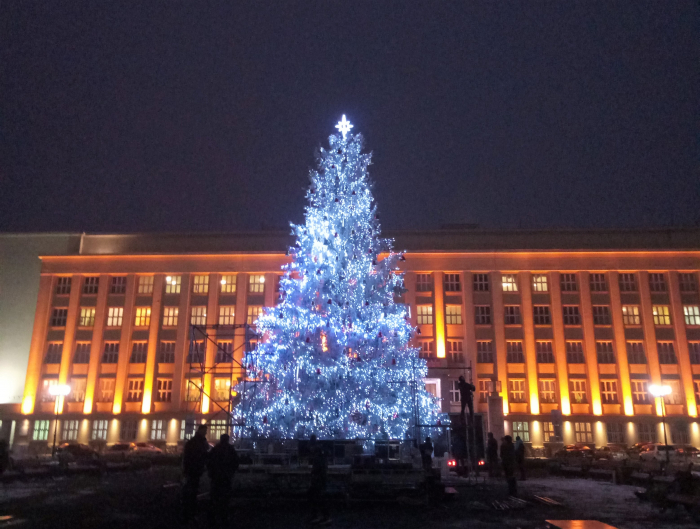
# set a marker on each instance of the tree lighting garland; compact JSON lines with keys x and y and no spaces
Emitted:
{"x":335,"y":358}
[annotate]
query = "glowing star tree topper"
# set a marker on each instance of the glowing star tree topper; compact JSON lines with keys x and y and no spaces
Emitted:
{"x":335,"y":358}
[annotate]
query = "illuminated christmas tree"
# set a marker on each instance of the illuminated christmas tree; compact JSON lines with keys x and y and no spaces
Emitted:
{"x":335,"y":358}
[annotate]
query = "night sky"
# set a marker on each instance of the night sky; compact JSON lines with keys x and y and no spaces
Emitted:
{"x":198,"y":116}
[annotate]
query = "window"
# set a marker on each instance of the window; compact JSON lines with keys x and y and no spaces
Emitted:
{"x":134,"y":390}
{"x":87,"y":317}
{"x":509,"y":282}
{"x":657,"y":282}
{"x":173,"y":284}
{"x":254,"y":312}
{"x":188,"y":427}
{"x":110,"y":355}
{"x":615,"y":433}
{"x":224,"y":352}
{"x":630,"y":315}
{"x":583,"y":432}
{"x":568,"y":282}
{"x":481,"y":282}
{"x":63,"y":286}
{"x":692,"y":314}
{"x":227,"y":315}
{"x":90,"y":285}
{"x":522,"y":430}
{"x":228,"y":284}
{"x":424,"y":314}
{"x":59,"y":317}
{"x":680,"y":433}
{"x":115,"y":316}
{"x":158,"y":430}
{"x":196,"y":353}
{"x":512,"y":314}
{"x":667,"y":354}
{"x":54,"y":351}
{"x":539,"y":283}
{"x":427,"y":349}
{"x":170,"y":316}
{"x":548,"y":390}
{"x":200,"y":284}
{"x":605,"y":352}
{"x":165,"y":389}
{"x":516,"y":390}
{"x":139,"y":352}
{"x":256,"y":283}
{"x":646,"y":433}
{"x":118,"y":285}
{"x":192,"y":392}
{"x":640,"y":395}
{"x":676,"y":396}
{"x":601,"y":315}
{"x":218,"y":427}
{"x":453,"y":314}
{"x":544,"y":352}
{"x":694,"y":352}
{"x":199,"y":316}
{"x":541,"y":315}
{"x":105,"y":392}
{"x":598,"y":283}
{"x":424,"y":282}
{"x":484,"y":388}
{"x":454,"y":350}
{"x":686,"y":282}
{"x":628,"y":283}
{"x":635,"y":353}
{"x":69,"y":432}
{"x":166,"y":353}
{"x":41,"y":431}
{"x":145,"y":285}
{"x":222,"y":389}
{"x":143,"y":317}
{"x":129,"y":428}
{"x":82,"y":353}
{"x":548,"y":430}
{"x":453,"y":283}
{"x":574,"y":353}
{"x":484,"y":352}
{"x":77,"y":389}
{"x":571,"y":315}
{"x":454,"y":392}
{"x":608,"y":390}
{"x":514,"y":353}
{"x":696,"y":383}
{"x":577,"y":391}
{"x":482,"y":315}
{"x":45,"y":387}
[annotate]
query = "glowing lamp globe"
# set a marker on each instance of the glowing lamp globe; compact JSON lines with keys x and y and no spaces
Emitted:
{"x":659,"y":390}
{"x":59,"y":390}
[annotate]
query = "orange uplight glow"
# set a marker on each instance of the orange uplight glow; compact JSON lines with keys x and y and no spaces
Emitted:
{"x":324,"y":342}
{"x":27,"y":405}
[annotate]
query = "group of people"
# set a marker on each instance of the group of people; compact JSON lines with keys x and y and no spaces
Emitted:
{"x":512,"y":458}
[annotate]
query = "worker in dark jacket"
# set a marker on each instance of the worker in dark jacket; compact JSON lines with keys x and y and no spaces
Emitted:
{"x":465,"y":395}
{"x":222,"y":464}
{"x":317,"y":490}
{"x":492,"y":455}
{"x":520,"y":456}
{"x":194,"y":460}
{"x":508,"y":463}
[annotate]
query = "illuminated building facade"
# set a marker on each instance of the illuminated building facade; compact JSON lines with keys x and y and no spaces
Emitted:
{"x":570,"y":327}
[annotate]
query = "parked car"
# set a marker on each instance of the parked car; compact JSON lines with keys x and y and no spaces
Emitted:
{"x":146,"y":449}
{"x":658,"y":452}
{"x":611,"y":452}
{"x":119,"y":451}
{"x":75,"y":452}
{"x":688,"y":452}
{"x":636,"y":448}
{"x":575,"y":452}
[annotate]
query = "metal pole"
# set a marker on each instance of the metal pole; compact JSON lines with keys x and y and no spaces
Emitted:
{"x":663,"y":422}
{"x":55,"y":426}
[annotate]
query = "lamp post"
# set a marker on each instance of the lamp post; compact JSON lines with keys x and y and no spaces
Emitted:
{"x":59,"y":390}
{"x":660,"y":392}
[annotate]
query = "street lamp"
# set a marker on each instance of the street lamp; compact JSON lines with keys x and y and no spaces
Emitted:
{"x":662,"y":391}
{"x":58,"y":390}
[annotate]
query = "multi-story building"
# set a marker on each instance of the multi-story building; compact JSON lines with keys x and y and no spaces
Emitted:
{"x":569,"y":327}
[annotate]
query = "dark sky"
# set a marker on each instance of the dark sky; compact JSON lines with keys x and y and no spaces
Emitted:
{"x":172,"y":116}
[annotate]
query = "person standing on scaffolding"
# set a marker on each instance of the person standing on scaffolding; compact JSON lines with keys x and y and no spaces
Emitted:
{"x":465,"y":395}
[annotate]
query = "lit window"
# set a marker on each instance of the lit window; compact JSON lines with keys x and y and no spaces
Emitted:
{"x":514,"y":353}
{"x":87,"y":317}
{"x":222,"y":389}
{"x":692,"y":314}
{"x":604,"y":350}
{"x":630,"y":315}
{"x":145,"y":285}
{"x":424,"y":314}
{"x":539,"y":283}
{"x":601,"y":315}
{"x":667,"y":354}
{"x":129,"y":429}
{"x":228,"y":284}
{"x":173,"y":284}
{"x":63,"y":286}
{"x":54,"y":352}
{"x":256,"y":283}
{"x":105,"y":392}
{"x":224,"y":352}
{"x":110,"y":354}
{"x":157,"y":430}
{"x":427,"y":349}
{"x":115,"y":316}
{"x":616,"y":434}
{"x":481,"y":282}
{"x":657,"y":282}
{"x":91,"y":285}
{"x":484,"y":352}
{"x":82,"y":353}
{"x":77,"y":389}
{"x":696,"y":383}
{"x":635,"y":353}
{"x":583,"y":432}
{"x":199,"y":316}
{"x":548,"y":431}
{"x":646,"y":433}
{"x":453,"y":283}
{"x":522,"y":430}
{"x":640,"y":395}
{"x":628,"y":283}
{"x":227,"y":315}
{"x":676,"y":396}
{"x":574,"y":352}
{"x":687,"y":282}
{"x":541,"y":315}
{"x":218,"y":427}
{"x":598,"y":283}
{"x":548,"y":390}
{"x":454,"y":392}
{"x":662,"y":315}
{"x":41,"y":431}
{"x":516,"y":390}
{"x":192,"y":390}
{"x":200,"y":284}
{"x":453,"y":314}
{"x":118,"y":285}
{"x":134,"y":391}
{"x":166,"y":352}
{"x":484,"y":390}
{"x":694,"y":351}
{"x":512,"y":314}
{"x":59,"y":317}
{"x":47,"y":383}
{"x":544,"y":352}
{"x":254,"y":312}
{"x":568,"y":282}
{"x":69,"y":432}
{"x":482,"y":315}
{"x":571,"y":315}
{"x":454,"y":350}
{"x":143,"y":317}
{"x":424,"y":282}
{"x":577,"y":391}
{"x":170,"y":316}
{"x":139,"y":352}
{"x":608,"y":391}
{"x":509,"y":282}
{"x":165,"y":389}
